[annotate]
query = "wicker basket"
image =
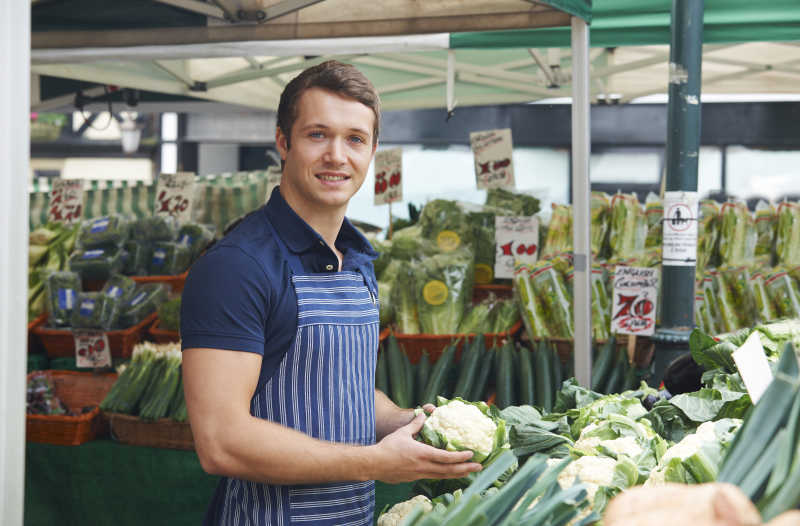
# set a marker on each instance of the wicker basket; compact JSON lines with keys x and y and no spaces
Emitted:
{"x":175,"y":282}
{"x":162,"y":335}
{"x":34,"y":343}
{"x":434,"y":344}
{"x":481,"y":292}
{"x":76,"y":390}
{"x":60,"y":343}
{"x":164,"y":433}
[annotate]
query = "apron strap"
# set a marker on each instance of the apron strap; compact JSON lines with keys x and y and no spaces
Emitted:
{"x":293,"y":259}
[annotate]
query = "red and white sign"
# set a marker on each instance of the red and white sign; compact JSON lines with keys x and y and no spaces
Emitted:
{"x":492,"y":150}
{"x":174,"y":195}
{"x":517,"y":240}
{"x":635,"y":300}
{"x":91,"y":349}
{"x":66,"y":201}
{"x":388,"y":176}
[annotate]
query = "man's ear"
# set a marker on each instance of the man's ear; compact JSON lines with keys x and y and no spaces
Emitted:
{"x":281,"y":143}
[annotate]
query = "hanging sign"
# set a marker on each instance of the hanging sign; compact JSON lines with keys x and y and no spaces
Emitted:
{"x":753,"y":366}
{"x":492,"y":150}
{"x":66,"y":201}
{"x":91,"y":348}
{"x":517,"y":240}
{"x":680,"y":229}
{"x":174,"y":196}
{"x":635,"y":299}
{"x":388,"y":176}
{"x":274,"y":174}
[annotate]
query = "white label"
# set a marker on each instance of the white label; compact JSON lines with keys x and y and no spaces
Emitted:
{"x":274,"y":174}
{"x":174,"y":194}
{"x":388,"y":176}
{"x":66,"y":201}
{"x":91,"y":349}
{"x":753,"y":366}
{"x":517,"y":239}
{"x":635,"y":300}
{"x":492,"y":150}
{"x":680,"y":229}
{"x":138,"y":299}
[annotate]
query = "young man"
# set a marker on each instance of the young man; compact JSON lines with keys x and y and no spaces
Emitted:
{"x":280,"y":332}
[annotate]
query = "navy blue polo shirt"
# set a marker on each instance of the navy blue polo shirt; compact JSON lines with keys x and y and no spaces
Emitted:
{"x":239,"y":296}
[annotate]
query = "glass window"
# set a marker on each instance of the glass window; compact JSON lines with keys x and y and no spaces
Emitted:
{"x":709,"y":170}
{"x":762,"y":173}
{"x":620,"y":166}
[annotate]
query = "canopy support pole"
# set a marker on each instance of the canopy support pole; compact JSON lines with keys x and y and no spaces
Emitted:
{"x":581,"y":148}
{"x":15,"y":48}
{"x":683,"y":147}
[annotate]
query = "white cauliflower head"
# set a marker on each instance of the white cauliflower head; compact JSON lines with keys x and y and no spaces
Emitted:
{"x":464,"y":425}
{"x":594,"y":471}
{"x":395,"y":515}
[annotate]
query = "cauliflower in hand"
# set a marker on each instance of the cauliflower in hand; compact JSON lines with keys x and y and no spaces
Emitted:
{"x":394,"y":516}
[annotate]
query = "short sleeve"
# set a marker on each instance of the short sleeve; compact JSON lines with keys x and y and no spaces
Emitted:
{"x":225,"y":302}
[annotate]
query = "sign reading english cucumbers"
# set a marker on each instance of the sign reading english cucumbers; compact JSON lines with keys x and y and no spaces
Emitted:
{"x":492,"y":150}
{"x":633,"y":310}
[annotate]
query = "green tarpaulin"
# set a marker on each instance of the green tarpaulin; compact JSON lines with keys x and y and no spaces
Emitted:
{"x":647,"y":22}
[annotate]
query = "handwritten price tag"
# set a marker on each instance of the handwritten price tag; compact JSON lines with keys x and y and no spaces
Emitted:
{"x":635,"y":299}
{"x":91,"y":349}
{"x":174,"y":193}
{"x":388,"y":176}
{"x":493,"y":165}
{"x":66,"y":201}
{"x":517,"y":239}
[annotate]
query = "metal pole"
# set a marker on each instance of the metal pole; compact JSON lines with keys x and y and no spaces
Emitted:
{"x":683,"y":145}
{"x":15,"y":48}
{"x":581,"y":147}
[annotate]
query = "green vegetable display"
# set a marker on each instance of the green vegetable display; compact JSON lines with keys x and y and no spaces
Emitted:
{"x":445,"y":223}
{"x":533,"y":316}
{"x":736,"y":226}
{"x":707,"y":232}
{"x":404,"y":300}
{"x":783,"y":291}
{"x":195,"y":237}
{"x":386,"y":308}
{"x":144,"y":301}
{"x":96,"y":263}
{"x":556,"y":303}
{"x":136,"y":258}
{"x":169,"y":315}
{"x":559,"y":231}
{"x":654,"y":213}
{"x":103,"y":231}
{"x":787,"y":236}
{"x":765,"y":308}
{"x":406,"y":243}
{"x":61,"y":292}
{"x":516,"y":204}
{"x":168,"y":258}
{"x":155,"y":228}
{"x":443,"y":288}
{"x":625,"y":226}
{"x":118,"y":286}
{"x":599,"y":222}
{"x":766,"y":223}
{"x":95,"y":310}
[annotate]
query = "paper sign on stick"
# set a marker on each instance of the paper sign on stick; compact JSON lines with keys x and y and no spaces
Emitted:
{"x":492,"y":150}
{"x":174,"y":196}
{"x":633,"y":310}
{"x":388,"y":176}
{"x":91,"y":349}
{"x":66,"y":201}
{"x":517,"y":239}
{"x":753,"y":366}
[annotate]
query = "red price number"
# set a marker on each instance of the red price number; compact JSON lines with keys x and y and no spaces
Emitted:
{"x":63,"y":211}
{"x":171,"y":204}
{"x":635,"y":313}
{"x":521,"y":249}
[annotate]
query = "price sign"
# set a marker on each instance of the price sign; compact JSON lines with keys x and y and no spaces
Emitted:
{"x":493,"y":165}
{"x":388,"y":176}
{"x":517,"y":240}
{"x":91,"y":349}
{"x":274,"y":174}
{"x":753,"y":366}
{"x":635,"y":298}
{"x":174,"y":193}
{"x":66,"y":201}
{"x":680,"y":229}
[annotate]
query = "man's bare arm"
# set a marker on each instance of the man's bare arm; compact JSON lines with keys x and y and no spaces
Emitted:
{"x":218,"y":386}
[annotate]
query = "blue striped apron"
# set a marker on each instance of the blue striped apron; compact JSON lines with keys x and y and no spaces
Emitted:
{"x":324,"y":387}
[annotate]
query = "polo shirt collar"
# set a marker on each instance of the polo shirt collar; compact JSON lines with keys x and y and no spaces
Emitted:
{"x":300,"y":237}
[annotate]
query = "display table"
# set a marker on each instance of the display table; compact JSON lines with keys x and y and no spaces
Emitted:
{"x":105,"y":482}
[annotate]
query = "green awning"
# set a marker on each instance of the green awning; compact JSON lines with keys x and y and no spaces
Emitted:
{"x":647,"y":22}
{"x":579,"y":8}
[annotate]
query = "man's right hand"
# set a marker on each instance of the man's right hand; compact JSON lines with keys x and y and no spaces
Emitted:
{"x":400,"y":458}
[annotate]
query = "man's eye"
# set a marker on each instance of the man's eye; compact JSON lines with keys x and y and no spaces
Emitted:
{"x":357,"y":139}
{"x":316,"y":134}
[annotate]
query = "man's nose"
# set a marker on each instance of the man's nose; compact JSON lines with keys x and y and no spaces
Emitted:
{"x":336,"y":152}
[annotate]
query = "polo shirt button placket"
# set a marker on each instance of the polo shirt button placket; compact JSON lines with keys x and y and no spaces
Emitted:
{"x":328,"y":267}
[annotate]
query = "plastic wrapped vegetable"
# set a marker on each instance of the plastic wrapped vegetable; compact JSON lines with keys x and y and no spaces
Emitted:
{"x":529,"y":306}
{"x":783,"y":291}
{"x":503,"y":315}
{"x":482,"y":223}
{"x":103,"y":231}
{"x":443,"y":285}
{"x":711,"y":301}
{"x":601,"y":307}
{"x":386,"y":309}
{"x":135,"y":260}
{"x":516,"y":204}
{"x":155,"y":228}
{"x":61,"y":289}
{"x":654,"y":212}
{"x":729,"y":308}
{"x":476,"y":320}
{"x":737,"y":280}
{"x":445,"y":223}
{"x":599,"y":218}
{"x":625,"y":223}
{"x":707,"y":231}
{"x":404,"y":300}
{"x":556,"y":303}
{"x":196,"y":237}
{"x":169,"y":315}
{"x":96,"y":263}
{"x":733,"y":233}
{"x":144,"y":301}
{"x":766,"y":221}
{"x":559,"y":231}
{"x":383,"y":248}
{"x":787,"y":236}
{"x":95,"y":310}
{"x":765,"y":309}
{"x":406,"y":243}
{"x":168,"y":258}
{"x":118,"y":286}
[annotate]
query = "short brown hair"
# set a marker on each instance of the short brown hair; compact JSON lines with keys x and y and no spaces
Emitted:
{"x":335,"y":76}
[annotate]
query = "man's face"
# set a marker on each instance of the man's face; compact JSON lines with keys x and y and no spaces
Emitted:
{"x":331,"y":148}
